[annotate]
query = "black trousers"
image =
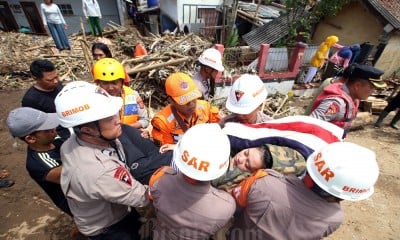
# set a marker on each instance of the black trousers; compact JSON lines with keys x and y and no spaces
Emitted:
{"x":126,"y":229}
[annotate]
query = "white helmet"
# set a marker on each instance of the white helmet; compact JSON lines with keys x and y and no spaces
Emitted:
{"x":344,"y":170}
{"x":247,"y":93}
{"x":81,"y":102}
{"x":203,"y":152}
{"x":212,"y":57}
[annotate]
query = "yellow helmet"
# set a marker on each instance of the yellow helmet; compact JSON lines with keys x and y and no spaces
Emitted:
{"x":108,"y":69}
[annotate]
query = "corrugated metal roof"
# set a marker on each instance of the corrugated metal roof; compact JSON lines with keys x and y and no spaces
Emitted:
{"x":270,"y":32}
{"x":389,"y":9}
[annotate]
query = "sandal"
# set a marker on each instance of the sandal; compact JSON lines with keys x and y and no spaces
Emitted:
{"x":6,"y":183}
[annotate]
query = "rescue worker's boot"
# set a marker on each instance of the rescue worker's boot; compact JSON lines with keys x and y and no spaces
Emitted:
{"x":382,"y":116}
{"x":395,"y":119}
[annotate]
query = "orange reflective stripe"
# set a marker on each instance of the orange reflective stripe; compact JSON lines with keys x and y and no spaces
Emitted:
{"x":156,"y":175}
{"x":240,"y":192}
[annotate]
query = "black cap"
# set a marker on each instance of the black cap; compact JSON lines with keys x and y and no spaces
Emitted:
{"x":369,"y":73}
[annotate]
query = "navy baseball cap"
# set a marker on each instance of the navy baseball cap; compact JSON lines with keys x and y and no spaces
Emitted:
{"x":25,"y":120}
{"x":369,"y":73}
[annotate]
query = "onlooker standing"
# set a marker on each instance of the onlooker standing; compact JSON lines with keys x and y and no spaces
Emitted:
{"x":42,"y":94}
{"x":53,"y":18}
{"x":91,"y":10}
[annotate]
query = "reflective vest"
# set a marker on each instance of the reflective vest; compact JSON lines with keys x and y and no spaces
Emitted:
{"x":166,"y":128}
{"x":335,"y":91}
{"x":130,"y":109}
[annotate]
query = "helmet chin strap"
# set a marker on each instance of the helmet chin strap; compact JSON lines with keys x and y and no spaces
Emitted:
{"x":100,"y":135}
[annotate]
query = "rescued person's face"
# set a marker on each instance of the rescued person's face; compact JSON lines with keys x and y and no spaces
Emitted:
{"x":249,"y":160}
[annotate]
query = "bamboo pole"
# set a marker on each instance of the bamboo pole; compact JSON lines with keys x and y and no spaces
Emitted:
{"x":280,"y":106}
{"x":147,"y":68}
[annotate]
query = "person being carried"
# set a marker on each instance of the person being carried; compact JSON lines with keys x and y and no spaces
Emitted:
{"x":187,"y":206}
{"x":245,"y":99}
{"x":47,"y":85}
{"x":183,"y":111}
{"x":100,"y":190}
{"x":210,"y":62}
{"x":338,"y":102}
{"x":109,"y":74}
{"x":282,"y":145}
{"x":275,"y":206}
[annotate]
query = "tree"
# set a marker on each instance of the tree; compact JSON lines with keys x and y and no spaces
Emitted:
{"x":303,"y":14}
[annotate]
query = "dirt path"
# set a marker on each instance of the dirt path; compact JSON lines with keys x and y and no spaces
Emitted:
{"x":26,"y":213}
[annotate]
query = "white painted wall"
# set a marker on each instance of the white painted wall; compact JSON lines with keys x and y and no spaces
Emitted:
{"x":174,"y":9}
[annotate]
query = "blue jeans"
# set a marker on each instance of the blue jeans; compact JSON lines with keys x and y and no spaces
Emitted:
{"x":59,"y":36}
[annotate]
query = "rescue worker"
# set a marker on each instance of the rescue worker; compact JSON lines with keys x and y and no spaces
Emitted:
{"x":109,"y":74}
{"x":142,"y":156}
{"x":95,"y":180}
{"x":210,"y":62}
{"x":245,"y":99}
{"x":286,"y":207}
{"x":200,"y":210}
{"x":338,"y":102}
{"x":183,"y":111}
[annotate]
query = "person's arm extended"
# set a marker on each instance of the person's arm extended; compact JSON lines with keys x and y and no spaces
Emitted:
{"x":54,"y":175}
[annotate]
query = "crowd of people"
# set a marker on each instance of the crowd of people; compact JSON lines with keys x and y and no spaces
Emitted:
{"x":242,"y":175}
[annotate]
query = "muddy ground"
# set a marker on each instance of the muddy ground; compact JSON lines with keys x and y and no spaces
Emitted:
{"x":27,"y":213}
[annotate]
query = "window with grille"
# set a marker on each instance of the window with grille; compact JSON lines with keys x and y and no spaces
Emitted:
{"x":66,"y":9}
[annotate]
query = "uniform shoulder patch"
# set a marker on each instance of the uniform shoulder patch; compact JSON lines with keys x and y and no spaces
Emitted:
{"x":333,"y":109}
{"x":123,"y":175}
